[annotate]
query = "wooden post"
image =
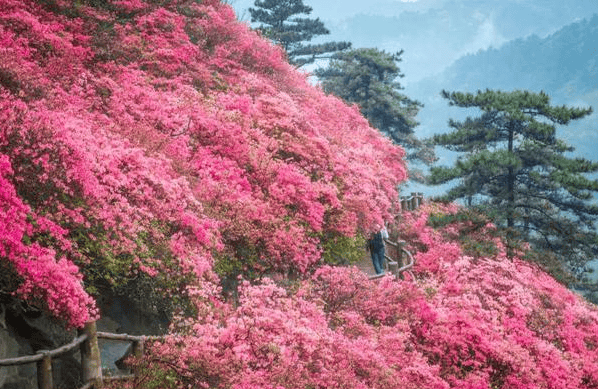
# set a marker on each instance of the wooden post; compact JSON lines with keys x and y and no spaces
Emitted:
{"x":420,"y":198}
{"x":44,"y":371}
{"x":400,"y":253}
{"x":393,"y":267}
{"x":138,"y":349}
{"x":413,"y":201}
{"x":403,"y":204}
{"x":91,"y":362}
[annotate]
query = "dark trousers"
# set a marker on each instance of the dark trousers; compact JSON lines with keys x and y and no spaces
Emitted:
{"x":378,"y":260}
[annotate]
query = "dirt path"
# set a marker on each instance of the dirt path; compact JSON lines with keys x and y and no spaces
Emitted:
{"x":365,"y":264}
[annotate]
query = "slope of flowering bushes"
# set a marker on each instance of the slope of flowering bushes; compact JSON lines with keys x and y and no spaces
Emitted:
{"x":163,"y":141}
{"x":141,"y":139}
{"x":464,"y":322}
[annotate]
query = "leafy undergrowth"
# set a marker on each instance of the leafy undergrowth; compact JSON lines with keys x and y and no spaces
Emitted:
{"x":465,"y":322}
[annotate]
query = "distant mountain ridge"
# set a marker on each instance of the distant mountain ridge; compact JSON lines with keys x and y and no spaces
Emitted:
{"x":563,"y":64}
{"x":565,"y":59}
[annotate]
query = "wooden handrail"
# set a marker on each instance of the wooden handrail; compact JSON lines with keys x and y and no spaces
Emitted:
{"x":407,"y":267}
{"x":38,"y":357}
{"x":393,"y":263}
{"x":411,"y":203}
{"x":127,"y":337}
{"x":90,"y":357}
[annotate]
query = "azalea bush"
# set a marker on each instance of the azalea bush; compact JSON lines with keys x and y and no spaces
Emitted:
{"x":464,"y":322}
{"x":277,"y":339}
{"x":140,"y":139}
{"x":166,"y":144}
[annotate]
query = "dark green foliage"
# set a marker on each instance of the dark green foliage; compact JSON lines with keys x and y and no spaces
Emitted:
{"x":9,"y":279}
{"x":369,"y":78}
{"x":280,"y":24}
{"x":516,"y":170}
{"x":470,"y":230}
{"x":473,"y":219}
{"x":552,"y":264}
{"x":342,"y":250}
{"x":242,"y":259}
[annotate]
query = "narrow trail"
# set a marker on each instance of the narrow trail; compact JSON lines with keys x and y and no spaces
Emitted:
{"x":365,"y":264}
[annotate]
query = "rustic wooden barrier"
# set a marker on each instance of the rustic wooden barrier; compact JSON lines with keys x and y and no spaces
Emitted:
{"x":411,"y":203}
{"x":395,"y":263}
{"x":138,"y":343}
{"x":91,"y":362}
{"x":399,"y":262}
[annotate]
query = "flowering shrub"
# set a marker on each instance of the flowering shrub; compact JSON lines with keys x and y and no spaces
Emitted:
{"x":278,"y":340}
{"x":167,"y":141}
{"x":141,"y":139}
{"x":466,"y":322}
{"x":53,"y":280}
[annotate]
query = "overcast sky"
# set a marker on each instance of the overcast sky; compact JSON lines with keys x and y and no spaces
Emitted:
{"x":434,"y":33}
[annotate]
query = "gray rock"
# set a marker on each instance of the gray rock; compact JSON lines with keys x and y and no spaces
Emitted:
{"x":24,"y":331}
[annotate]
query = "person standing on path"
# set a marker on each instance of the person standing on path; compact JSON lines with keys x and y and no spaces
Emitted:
{"x":376,"y":248}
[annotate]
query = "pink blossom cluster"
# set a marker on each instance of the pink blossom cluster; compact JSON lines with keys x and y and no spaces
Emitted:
{"x":281,"y":340}
{"x":487,"y":322}
{"x":45,"y":276}
{"x":151,"y":136}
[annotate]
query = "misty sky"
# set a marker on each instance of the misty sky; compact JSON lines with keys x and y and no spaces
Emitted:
{"x":434,"y":33}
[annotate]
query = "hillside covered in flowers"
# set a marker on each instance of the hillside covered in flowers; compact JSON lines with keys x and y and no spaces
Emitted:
{"x":167,"y":146}
{"x":138,"y":138}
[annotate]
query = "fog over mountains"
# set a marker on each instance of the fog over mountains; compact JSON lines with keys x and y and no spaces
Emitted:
{"x":466,"y":45}
{"x":435,"y":33}
{"x":563,"y":64}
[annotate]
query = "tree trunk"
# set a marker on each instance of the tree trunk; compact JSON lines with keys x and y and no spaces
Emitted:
{"x":510,"y":197}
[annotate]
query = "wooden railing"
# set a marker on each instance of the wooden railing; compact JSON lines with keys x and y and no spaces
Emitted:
{"x":398,"y":262}
{"x":138,"y":343}
{"x":411,"y":203}
{"x":91,"y":362}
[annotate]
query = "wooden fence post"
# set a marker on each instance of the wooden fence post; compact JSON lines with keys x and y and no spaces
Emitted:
{"x":138,"y":349}
{"x":413,"y":201}
{"x":400,"y":253}
{"x":393,"y":267}
{"x":91,"y":362}
{"x":44,"y":371}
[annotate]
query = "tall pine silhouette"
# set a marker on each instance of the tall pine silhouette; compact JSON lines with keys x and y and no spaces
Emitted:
{"x":280,"y":23}
{"x":370,"y":77}
{"x":516,"y":169}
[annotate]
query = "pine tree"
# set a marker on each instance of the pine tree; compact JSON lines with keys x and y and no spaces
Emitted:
{"x":369,"y":78}
{"x":518,"y":171}
{"x":279,"y":25}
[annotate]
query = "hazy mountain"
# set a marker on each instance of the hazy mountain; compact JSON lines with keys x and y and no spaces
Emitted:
{"x":435,"y":33}
{"x":563,"y":64}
